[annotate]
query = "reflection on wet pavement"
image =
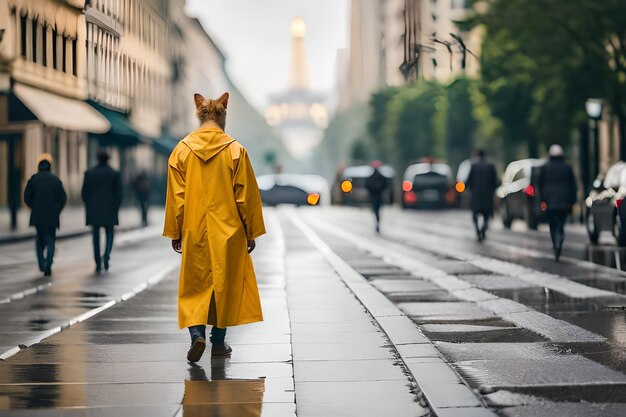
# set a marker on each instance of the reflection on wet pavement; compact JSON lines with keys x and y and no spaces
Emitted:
{"x":497,"y":353}
{"x":221,"y":396}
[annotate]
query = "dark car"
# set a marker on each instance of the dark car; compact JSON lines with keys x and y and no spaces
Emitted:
{"x":352,"y":185}
{"x":298,"y":190}
{"x":518,"y":193}
{"x":429,"y":185}
{"x":605,"y":211}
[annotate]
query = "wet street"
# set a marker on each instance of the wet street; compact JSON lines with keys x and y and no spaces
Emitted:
{"x":419,"y":320}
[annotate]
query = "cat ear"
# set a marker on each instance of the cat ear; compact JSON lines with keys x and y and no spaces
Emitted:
{"x":198,"y":99}
{"x":223,"y":100}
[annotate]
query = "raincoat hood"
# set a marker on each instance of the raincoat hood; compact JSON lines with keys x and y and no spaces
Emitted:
{"x":205,"y":143}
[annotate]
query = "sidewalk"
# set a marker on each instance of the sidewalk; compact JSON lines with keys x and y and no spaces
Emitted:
{"x":330,"y":345}
{"x":72,"y":222}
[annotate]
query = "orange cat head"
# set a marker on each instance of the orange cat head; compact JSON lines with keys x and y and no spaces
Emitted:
{"x":211,"y":110}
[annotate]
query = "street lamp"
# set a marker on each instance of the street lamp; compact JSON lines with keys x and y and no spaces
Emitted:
{"x":594,"y":106}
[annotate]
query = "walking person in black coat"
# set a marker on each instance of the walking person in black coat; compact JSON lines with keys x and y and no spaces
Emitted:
{"x":45,"y":195}
{"x":482,"y":182}
{"x":102,"y":195}
{"x":376,"y":184}
{"x":557,"y":189}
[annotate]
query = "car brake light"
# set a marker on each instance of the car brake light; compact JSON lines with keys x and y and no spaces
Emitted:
{"x":313,"y":199}
{"x":530,"y":190}
{"x":460,"y":186}
{"x":410,"y":197}
{"x":407,"y":186}
{"x":346,"y":186}
{"x":618,"y":202}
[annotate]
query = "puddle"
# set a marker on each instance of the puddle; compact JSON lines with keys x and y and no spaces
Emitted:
{"x":473,"y":333}
{"x":617,"y":285}
{"x":91,"y":295}
{"x":546,"y":301}
{"x":607,"y":255}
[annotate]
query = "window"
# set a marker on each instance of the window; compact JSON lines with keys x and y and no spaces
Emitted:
{"x":74,"y":59}
{"x":459,"y":4}
{"x":23,"y":21}
{"x":33,"y":40}
{"x":63,"y":64}
{"x":519,"y":175}
{"x":55,"y":43}
{"x":44,"y":46}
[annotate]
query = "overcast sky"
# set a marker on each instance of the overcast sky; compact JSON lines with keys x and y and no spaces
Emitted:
{"x":255,"y":37}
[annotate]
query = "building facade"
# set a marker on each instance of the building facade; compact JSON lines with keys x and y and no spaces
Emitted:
{"x":77,"y":76}
{"x":393,"y":42}
{"x":44,"y":85}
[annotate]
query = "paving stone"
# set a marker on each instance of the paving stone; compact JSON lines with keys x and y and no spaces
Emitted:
{"x":404,"y":285}
{"x":433,"y":373}
{"x":316,"y":399}
{"x":338,"y":351}
{"x":348,"y":371}
{"x":448,"y":395}
{"x":445,"y":311}
{"x":421,"y":350}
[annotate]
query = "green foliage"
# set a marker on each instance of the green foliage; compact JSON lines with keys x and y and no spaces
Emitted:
{"x":460,"y":121}
{"x":542,"y":59}
{"x":410,"y":122}
{"x":382,"y":145}
{"x":360,"y":152}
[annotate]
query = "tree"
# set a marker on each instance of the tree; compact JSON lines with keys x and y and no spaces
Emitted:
{"x":410,"y":122}
{"x":382,"y":145}
{"x":460,"y":121}
{"x":542,"y":59}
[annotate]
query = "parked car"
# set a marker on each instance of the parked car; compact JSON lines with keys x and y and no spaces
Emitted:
{"x":605,"y":211}
{"x":298,"y":190}
{"x":429,"y":184}
{"x":518,"y":193}
{"x":352,"y":185}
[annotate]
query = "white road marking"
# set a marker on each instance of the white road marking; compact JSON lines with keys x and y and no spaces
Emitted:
{"x":523,"y":316}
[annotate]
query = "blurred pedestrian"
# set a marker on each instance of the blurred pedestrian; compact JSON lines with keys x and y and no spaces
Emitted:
{"x":557,"y":190}
{"x":45,"y":195}
{"x":482,"y":181}
{"x":376,"y":184}
{"x":142,"y":191}
{"x":213,"y":215}
{"x":102,"y":195}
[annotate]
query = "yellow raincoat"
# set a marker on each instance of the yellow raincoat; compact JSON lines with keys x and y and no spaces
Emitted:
{"x":214,"y":205}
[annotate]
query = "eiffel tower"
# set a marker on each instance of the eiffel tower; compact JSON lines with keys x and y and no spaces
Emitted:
{"x":298,"y":113}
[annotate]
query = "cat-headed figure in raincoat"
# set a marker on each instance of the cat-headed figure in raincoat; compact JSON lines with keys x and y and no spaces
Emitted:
{"x":213,"y":212}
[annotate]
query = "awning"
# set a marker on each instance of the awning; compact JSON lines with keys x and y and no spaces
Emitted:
{"x":121,"y":133}
{"x":165,"y":144}
{"x":61,"y":112}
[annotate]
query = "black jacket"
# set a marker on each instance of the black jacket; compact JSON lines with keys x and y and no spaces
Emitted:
{"x":557,"y":185}
{"x":376,"y":183}
{"x":102,"y":195}
{"x":482,"y":181}
{"x":45,"y":195}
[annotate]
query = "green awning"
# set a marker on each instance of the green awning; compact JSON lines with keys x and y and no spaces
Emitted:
{"x":121,"y":133}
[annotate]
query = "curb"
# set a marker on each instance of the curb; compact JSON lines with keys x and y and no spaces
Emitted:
{"x":446,"y":393}
{"x":26,"y":236}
